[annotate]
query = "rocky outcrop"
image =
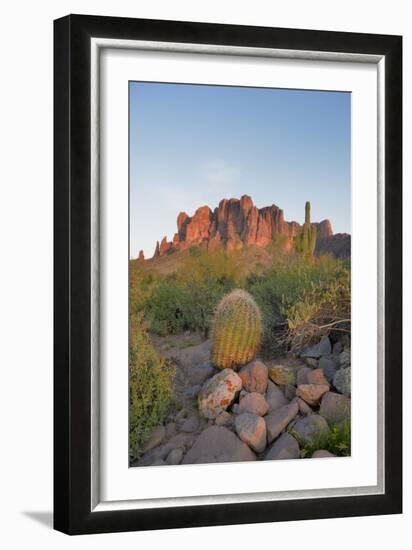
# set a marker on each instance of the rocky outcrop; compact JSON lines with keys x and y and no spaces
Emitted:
{"x":338,"y":245}
{"x":234,"y":224}
{"x":246,"y":416}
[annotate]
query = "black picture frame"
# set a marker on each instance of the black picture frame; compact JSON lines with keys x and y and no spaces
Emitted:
{"x":72,"y":279}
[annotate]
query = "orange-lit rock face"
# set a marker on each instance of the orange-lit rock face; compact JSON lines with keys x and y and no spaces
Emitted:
{"x":234,"y":224}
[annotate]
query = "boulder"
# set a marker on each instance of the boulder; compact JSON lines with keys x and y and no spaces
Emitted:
{"x":254,"y":377}
{"x":335,"y":408}
{"x":337,"y":348}
{"x":302,"y":376}
{"x":156,"y":437}
{"x":218,"y":444}
{"x":218,"y":393}
{"x":277,"y":421}
{"x":158,"y":462}
{"x":325,"y":347}
{"x":311,"y":393}
{"x":290,"y":391}
{"x":254,"y":403}
{"x":342,"y":381}
{"x":174,"y":457}
{"x":170,"y":429}
{"x":344,"y":358}
{"x":329,"y":366}
{"x":285,"y":447}
{"x":311,"y":361}
{"x":281,"y":374}
{"x":252,"y":430}
{"x":191,"y":424}
{"x":310,"y":427}
{"x":275,"y":398}
{"x":322,"y":453}
{"x":316,"y":376}
{"x":304,"y":408}
{"x":224,"y":419}
{"x":182,"y":440}
{"x":318,"y":350}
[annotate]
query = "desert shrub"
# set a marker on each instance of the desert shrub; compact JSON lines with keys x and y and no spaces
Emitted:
{"x":302,"y":300}
{"x":150,"y":379}
{"x":337,"y":442}
{"x":236,"y":330}
{"x":166,"y":308}
{"x":206,"y":278}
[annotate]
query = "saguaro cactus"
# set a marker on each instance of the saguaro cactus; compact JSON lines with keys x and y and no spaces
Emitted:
{"x":305,"y":242}
{"x":236,"y":330}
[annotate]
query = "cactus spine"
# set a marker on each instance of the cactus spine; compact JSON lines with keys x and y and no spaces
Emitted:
{"x":236,"y":330}
{"x":305,"y":242}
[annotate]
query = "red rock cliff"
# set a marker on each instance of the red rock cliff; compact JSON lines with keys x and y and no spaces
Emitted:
{"x":234,"y":224}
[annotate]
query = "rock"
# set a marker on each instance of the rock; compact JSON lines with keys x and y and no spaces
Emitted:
{"x":302,"y":376}
{"x":158,"y":462}
{"x":322,"y":453}
{"x":237,"y":223}
{"x":155,"y":439}
{"x":170,"y":429}
{"x":316,"y":376}
{"x":335,"y":408}
{"x":285,"y":447}
{"x":174,"y":457}
{"x":275,"y":398}
{"x":281,"y":374}
{"x":242,"y":394}
{"x":310,"y":427}
{"x":190,"y":425}
{"x":329,"y":366}
{"x":342,"y":381}
{"x":182,"y":441}
{"x":218,"y":444}
{"x":252,"y":430}
{"x":235,"y":408}
{"x":304,"y":408}
{"x":277,"y":421}
{"x":224,"y":419}
{"x":311,"y":362}
{"x":325,"y":347}
{"x":311,"y":393}
{"x":337,"y":348}
{"x":193,"y":391}
{"x":344,"y":358}
{"x":318,"y":350}
{"x":199,"y":373}
{"x":181,"y":416}
{"x":254,"y":377}
{"x":290,"y":392}
{"x":159,"y":452}
{"x":218,"y":393}
{"x":254,"y":403}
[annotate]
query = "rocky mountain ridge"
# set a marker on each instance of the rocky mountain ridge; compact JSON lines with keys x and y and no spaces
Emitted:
{"x":238,"y":223}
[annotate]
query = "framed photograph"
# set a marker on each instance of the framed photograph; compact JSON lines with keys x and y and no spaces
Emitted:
{"x":228,"y":299}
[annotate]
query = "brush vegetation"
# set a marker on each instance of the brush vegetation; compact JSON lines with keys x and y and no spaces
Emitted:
{"x":300,"y":299}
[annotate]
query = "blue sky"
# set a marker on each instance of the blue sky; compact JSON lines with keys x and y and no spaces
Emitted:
{"x":193,"y":145}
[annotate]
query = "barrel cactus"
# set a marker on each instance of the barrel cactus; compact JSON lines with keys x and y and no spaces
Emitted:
{"x":305,"y":242}
{"x":236,"y":330}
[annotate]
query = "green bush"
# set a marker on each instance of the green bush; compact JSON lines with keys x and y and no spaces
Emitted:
{"x":302,"y":300}
{"x":150,"y":381}
{"x":166,"y":307}
{"x":337,"y":442}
